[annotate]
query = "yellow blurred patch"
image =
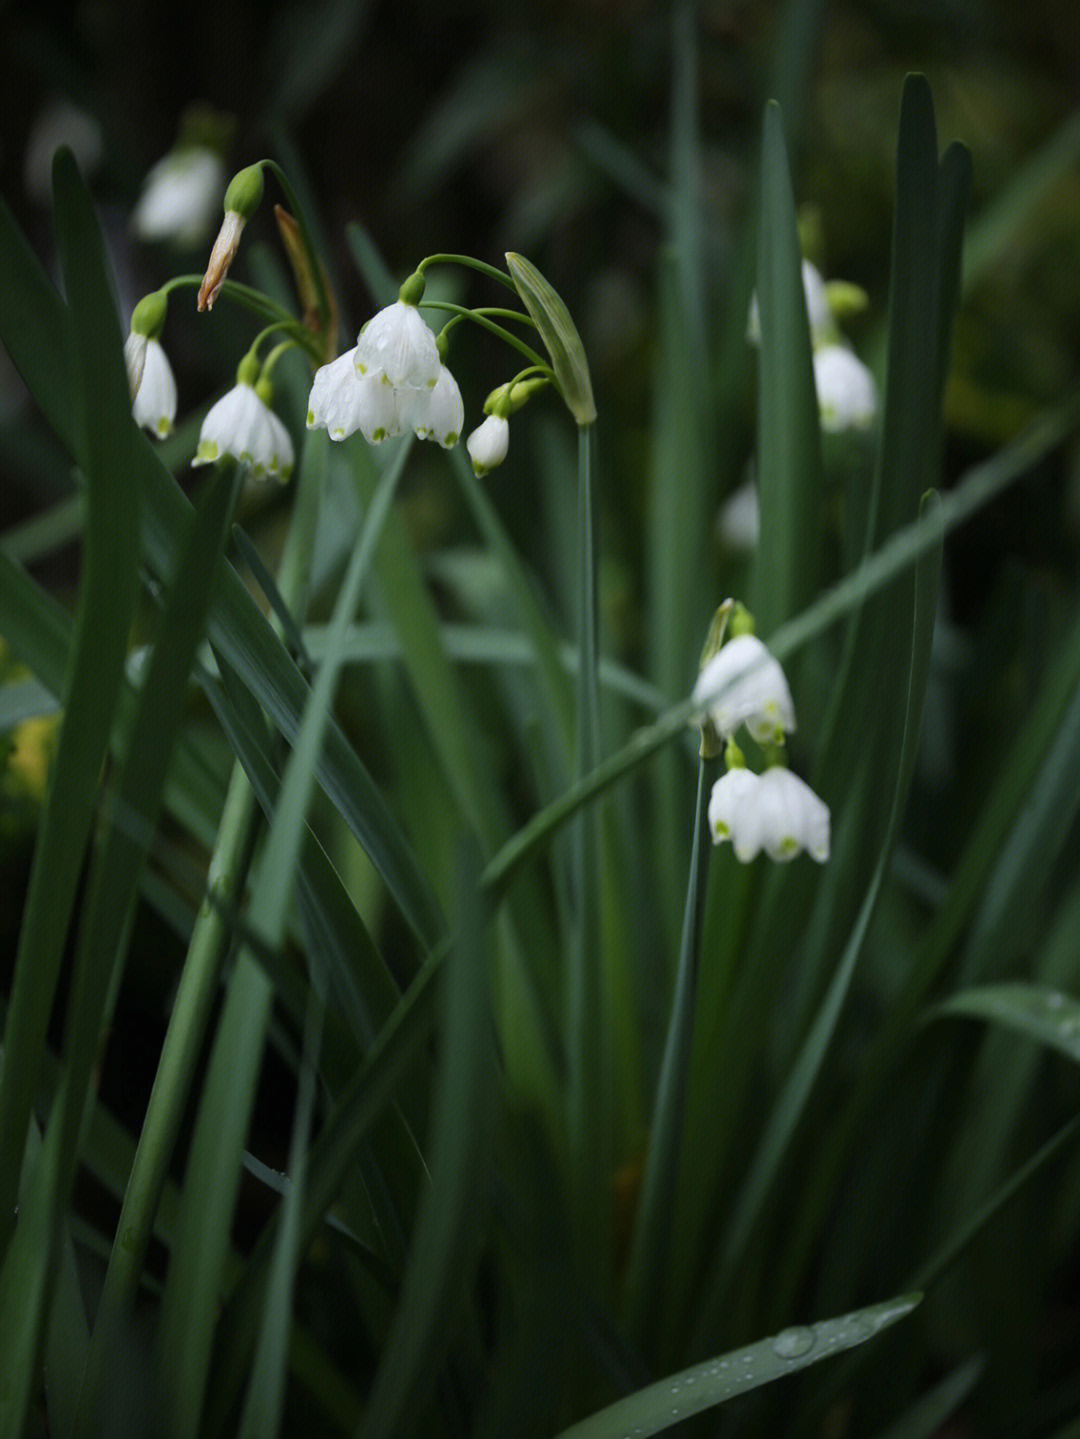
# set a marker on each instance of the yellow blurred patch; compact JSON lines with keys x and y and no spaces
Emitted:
{"x":35,"y":745}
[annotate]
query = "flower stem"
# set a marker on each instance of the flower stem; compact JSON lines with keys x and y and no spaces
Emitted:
{"x":245,"y":295}
{"x":470,"y":264}
{"x":481,"y":318}
{"x":591,"y":1101}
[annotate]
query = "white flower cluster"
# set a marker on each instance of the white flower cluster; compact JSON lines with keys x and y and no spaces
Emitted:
{"x":743,"y":684}
{"x":847,"y":394}
{"x":391,"y":380}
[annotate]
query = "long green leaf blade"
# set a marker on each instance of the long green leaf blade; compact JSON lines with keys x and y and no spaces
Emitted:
{"x":663,"y":1405}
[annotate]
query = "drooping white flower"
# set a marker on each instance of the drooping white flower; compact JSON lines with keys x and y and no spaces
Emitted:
{"x":749,"y":688}
{"x":487,"y":445}
{"x":847,"y":395}
{"x":818,"y":312}
{"x":398,"y":344}
{"x":334,"y":403}
{"x":728,"y":793}
{"x":180,"y":196}
{"x":778,"y":813}
{"x":343,"y":401}
{"x":241,"y":424}
{"x":153,"y":388}
{"x":60,"y":123}
{"x":443,"y":414}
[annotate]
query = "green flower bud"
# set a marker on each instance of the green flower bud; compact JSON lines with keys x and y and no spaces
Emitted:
{"x":247,"y":371}
{"x":148,"y":316}
{"x":245,"y":192}
{"x":412,"y":291}
{"x":742,"y":621}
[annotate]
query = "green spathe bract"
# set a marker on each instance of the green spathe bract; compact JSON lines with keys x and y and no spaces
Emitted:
{"x":560,"y":336}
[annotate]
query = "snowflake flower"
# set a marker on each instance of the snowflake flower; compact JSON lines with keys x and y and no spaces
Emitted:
{"x":847,"y":395}
{"x":243,"y":425}
{"x":749,"y":688}
{"x":181,"y":193}
{"x":153,"y":388}
{"x":487,"y":445}
{"x":776,"y":812}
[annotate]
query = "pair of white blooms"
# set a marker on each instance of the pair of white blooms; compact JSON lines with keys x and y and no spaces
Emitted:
{"x":774,"y":811}
{"x":240,"y":424}
{"x":394,"y":379}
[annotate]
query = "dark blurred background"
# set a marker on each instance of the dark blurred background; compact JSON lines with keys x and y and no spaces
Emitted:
{"x":546,"y":128}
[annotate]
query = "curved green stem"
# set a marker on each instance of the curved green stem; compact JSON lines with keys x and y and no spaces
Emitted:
{"x":245,"y":295}
{"x":462,"y":313}
{"x":470,"y":264}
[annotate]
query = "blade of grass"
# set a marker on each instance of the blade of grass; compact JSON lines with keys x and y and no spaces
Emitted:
{"x":790,"y":479}
{"x":663,"y":1405}
{"x":212,"y":1177}
{"x":103,"y":427}
{"x":444,"y":1247}
{"x":1045,"y":1015}
{"x":263,"y":1406}
{"x":106,"y":602}
{"x":359,"y":1105}
{"x":660,"y":1182}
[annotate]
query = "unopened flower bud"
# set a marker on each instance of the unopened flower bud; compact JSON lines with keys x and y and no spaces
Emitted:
{"x":241,"y":201}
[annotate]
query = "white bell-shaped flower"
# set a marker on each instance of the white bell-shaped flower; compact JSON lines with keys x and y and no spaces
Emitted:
{"x":442,"y":415}
{"x":243,"y":425}
{"x":181,"y":197}
{"x":334,"y":404}
{"x":744,"y":684}
{"x":153,"y":387}
{"x":781,"y":815}
{"x":398,"y":344}
{"x":487,"y":445}
{"x":728,"y":793}
{"x":847,"y":395}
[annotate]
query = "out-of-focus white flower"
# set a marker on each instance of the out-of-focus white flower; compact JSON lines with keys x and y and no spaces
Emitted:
{"x":776,"y":812}
{"x":442,"y":417}
{"x":180,"y":196}
{"x":818,"y":312}
{"x":727,"y":794}
{"x":749,"y":688}
{"x":243,"y":425}
{"x":60,"y":123}
{"x":739,"y":521}
{"x":398,"y":344}
{"x":487,"y":445}
{"x":847,"y":395}
{"x":153,"y":388}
